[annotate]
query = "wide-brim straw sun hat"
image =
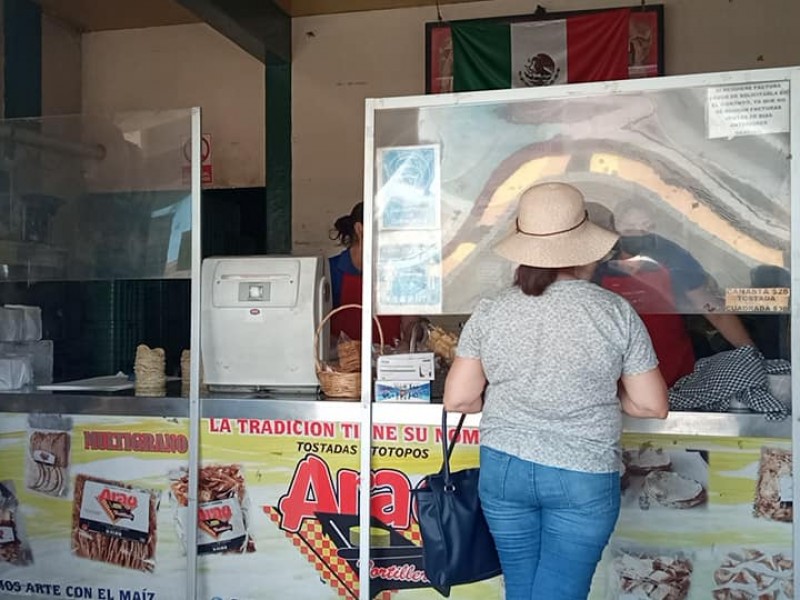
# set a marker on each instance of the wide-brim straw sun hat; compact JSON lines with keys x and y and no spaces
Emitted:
{"x":553,"y":230}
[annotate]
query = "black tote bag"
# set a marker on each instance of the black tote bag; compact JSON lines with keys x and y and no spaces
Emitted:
{"x":456,"y":543}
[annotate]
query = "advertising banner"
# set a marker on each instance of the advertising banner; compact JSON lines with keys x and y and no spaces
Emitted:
{"x":96,"y":507}
{"x":302,"y":483}
{"x":82,"y":507}
{"x":702,"y":518}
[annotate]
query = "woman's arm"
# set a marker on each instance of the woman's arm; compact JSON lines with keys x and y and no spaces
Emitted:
{"x":729,"y":325}
{"x":463,"y":390}
{"x":644,"y":395}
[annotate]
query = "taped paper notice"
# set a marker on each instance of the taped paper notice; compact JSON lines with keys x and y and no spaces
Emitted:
{"x":757,"y":299}
{"x":750,"y":109}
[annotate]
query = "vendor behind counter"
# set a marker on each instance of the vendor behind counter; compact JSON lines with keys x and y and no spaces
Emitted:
{"x":662,"y":280}
{"x":347,"y":283}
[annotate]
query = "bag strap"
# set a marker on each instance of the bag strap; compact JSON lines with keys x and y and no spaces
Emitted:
{"x":447,"y":449}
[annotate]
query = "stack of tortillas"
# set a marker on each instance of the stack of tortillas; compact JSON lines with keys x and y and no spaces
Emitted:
{"x":149,"y":368}
{"x":186,"y":366}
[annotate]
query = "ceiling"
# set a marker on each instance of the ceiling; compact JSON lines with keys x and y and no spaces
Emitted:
{"x":303,"y":8}
{"x":101,"y":15}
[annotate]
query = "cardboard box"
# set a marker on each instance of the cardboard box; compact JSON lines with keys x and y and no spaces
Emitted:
{"x":402,"y":391}
{"x":407,"y":367}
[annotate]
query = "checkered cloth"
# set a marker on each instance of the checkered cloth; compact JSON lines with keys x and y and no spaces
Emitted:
{"x":737,"y":375}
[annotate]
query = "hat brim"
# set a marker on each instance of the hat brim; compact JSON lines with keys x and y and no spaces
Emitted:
{"x":582,"y":246}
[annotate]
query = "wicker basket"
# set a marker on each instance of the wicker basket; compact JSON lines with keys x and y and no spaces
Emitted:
{"x":340,"y":384}
{"x":349,"y":355}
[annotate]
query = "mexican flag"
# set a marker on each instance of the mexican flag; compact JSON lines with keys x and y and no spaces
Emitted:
{"x":588,"y":47}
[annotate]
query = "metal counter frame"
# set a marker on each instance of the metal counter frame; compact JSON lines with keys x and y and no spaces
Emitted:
{"x":306,"y":407}
{"x":674,"y":424}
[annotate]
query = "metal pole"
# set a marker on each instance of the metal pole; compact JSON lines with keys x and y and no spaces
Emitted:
{"x":365,"y":438}
{"x":194,"y":380}
{"x":794,"y":208}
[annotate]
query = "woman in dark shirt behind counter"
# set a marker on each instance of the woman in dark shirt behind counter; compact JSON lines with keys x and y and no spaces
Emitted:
{"x":347,"y":283}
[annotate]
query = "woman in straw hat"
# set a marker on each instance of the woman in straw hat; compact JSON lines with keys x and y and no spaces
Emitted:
{"x":559,"y":359}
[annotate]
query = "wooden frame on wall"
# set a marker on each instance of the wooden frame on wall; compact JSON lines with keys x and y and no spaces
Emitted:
{"x":646,"y":44}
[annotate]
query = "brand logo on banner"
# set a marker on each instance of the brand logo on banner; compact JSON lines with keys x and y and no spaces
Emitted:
{"x":319,"y":513}
{"x":115,"y":511}
{"x":215,"y":520}
{"x":117,"y":505}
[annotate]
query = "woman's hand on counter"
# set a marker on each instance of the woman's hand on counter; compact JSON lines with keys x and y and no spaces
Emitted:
{"x":644,"y":395}
{"x":463,"y":390}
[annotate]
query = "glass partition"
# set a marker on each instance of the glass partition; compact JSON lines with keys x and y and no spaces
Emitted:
{"x":695,"y":178}
{"x":694,"y":173}
{"x":95,"y":233}
{"x":96,"y":198}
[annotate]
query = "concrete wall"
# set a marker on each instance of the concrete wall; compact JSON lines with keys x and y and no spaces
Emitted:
{"x":61,"y":68}
{"x":340,"y":60}
{"x":179,"y":67}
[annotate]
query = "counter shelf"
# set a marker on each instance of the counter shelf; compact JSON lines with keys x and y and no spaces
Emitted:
{"x":299,"y":406}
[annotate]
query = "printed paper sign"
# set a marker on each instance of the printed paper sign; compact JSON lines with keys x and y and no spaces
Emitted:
{"x":750,"y":109}
{"x":757,"y":299}
{"x":206,"y":164}
{"x":409,"y":273}
{"x":409,"y":183}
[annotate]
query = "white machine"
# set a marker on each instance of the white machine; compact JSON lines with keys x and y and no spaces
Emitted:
{"x":259,"y":318}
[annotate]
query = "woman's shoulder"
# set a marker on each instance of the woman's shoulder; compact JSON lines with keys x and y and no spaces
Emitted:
{"x":342,"y":262}
{"x":613,"y":306}
{"x":601,"y":297}
{"x":499,"y":299}
{"x":486,"y":306}
{"x":500,"y":305}
{"x":579,"y":292}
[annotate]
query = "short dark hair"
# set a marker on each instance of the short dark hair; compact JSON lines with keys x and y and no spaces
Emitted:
{"x":344,"y":229}
{"x":533,"y":281}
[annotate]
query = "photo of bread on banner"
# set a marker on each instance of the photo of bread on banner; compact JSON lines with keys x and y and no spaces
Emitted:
{"x":662,"y":483}
{"x":115,"y":523}
{"x":752,"y":574}
{"x":14,"y":546}
{"x":48,"y":454}
{"x":223,"y":514}
{"x":652,"y":574}
{"x":774,"y":500}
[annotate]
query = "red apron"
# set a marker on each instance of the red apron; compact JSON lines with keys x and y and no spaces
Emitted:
{"x":650,"y":293}
{"x":349,"y":321}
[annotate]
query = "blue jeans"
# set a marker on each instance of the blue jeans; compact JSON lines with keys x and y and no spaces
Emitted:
{"x":550,"y":525}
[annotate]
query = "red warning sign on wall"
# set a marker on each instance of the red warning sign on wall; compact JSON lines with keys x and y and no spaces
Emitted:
{"x":206,"y":168}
